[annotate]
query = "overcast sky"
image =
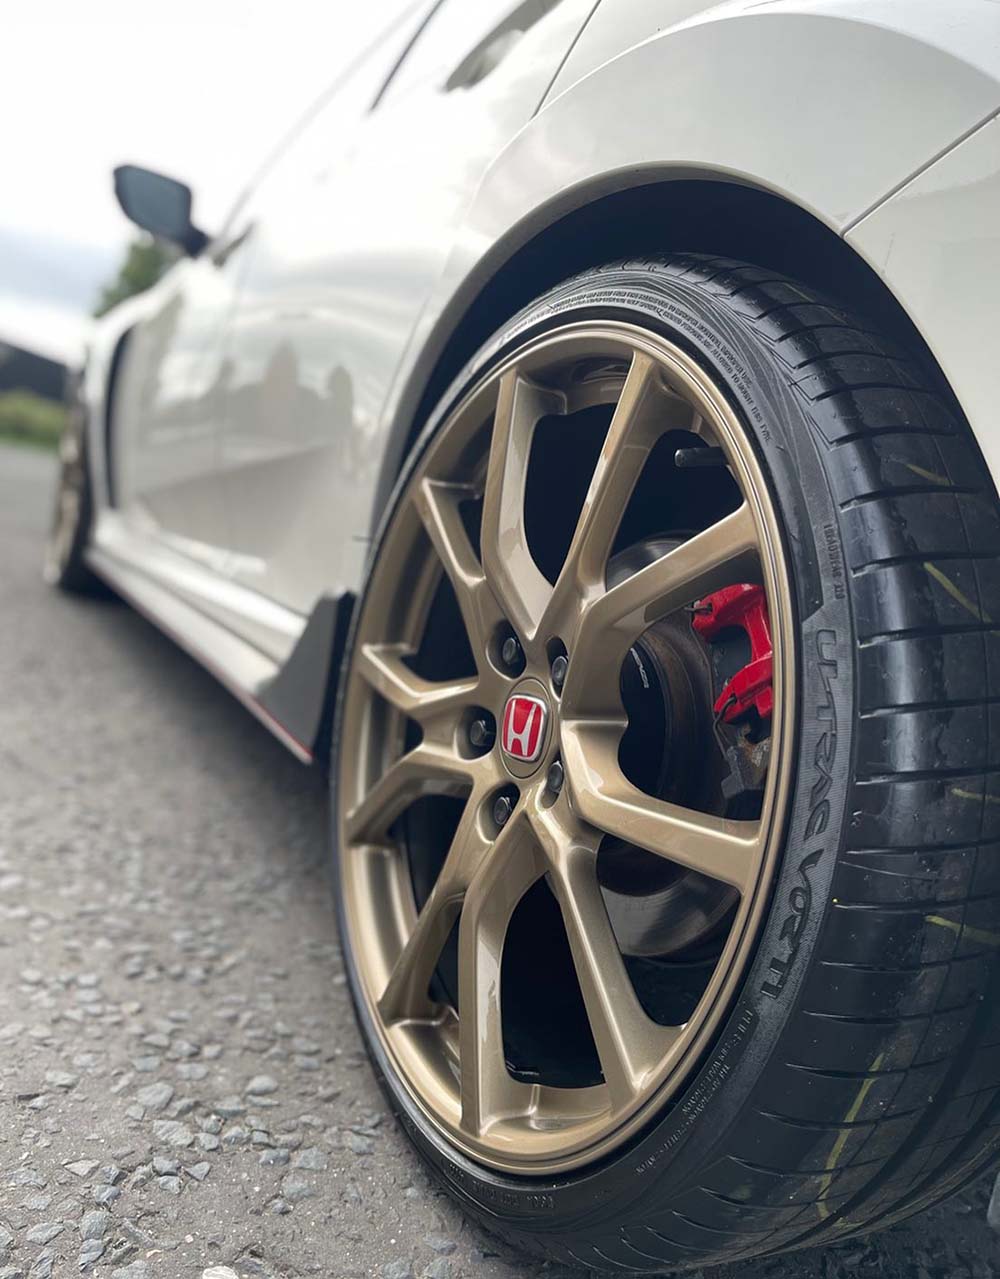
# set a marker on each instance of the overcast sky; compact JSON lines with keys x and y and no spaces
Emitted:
{"x":200,"y":89}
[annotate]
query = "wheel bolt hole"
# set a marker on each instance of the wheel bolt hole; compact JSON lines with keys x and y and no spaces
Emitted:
{"x":480,"y":730}
{"x":554,"y":778}
{"x":501,"y":808}
{"x":507,"y":652}
{"x":558,"y":663}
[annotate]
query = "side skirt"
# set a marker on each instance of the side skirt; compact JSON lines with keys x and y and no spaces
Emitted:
{"x":304,"y":691}
{"x":291,"y":698}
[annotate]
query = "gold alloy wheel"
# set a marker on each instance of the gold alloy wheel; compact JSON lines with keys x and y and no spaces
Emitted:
{"x":407,"y":736}
{"x":68,"y":504}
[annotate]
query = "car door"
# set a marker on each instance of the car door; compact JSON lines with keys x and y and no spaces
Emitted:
{"x":166,"y":412}
{"x":345,"y":251}
{"x":176,"y":371}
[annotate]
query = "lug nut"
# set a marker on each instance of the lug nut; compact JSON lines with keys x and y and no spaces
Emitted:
{"x":510,"y":653}
{"x":555,"y":777}
{"x":481,"y":734}
{"x":502,"y":808}
{"x":560,"y":665}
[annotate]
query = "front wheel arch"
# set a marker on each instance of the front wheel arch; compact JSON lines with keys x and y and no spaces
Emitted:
{"x":651,"y":213}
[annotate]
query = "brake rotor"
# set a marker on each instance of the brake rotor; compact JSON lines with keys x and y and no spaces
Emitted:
{"x":680,"y":747}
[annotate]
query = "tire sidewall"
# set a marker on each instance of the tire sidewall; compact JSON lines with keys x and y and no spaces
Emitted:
{"x":667,"y":1156}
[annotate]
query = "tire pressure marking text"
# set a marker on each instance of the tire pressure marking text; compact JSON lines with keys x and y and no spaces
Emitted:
{"x":836,"y":560}
{"x":801,"y":896}
{"x":708,"y":1085}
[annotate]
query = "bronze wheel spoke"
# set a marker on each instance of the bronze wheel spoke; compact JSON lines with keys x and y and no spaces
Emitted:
{"x":720,"y":847}
{"x":383,"y":667}
{"x":629,"y":1044}
{"x":643,"y":412}
{"x":438,"y":507}
{"x":488,"y":1092}
{"x":724,"y":553}
{"x":428,"y":769}
{"x":512,"y":572}
{"x":406,"y":993}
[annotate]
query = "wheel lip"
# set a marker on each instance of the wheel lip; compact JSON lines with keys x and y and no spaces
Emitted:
{"x":774,"y":563}
{"x":65,"y":522}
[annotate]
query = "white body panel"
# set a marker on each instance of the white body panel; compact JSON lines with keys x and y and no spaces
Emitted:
{"x":936,"y":243}
{"x":872,"y":116}
{"x":333,"y":291}
{"x":169,"y":395}
{"x":830,"y":103}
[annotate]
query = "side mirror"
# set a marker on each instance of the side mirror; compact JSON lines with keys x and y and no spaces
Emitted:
{"x":160,"y":205}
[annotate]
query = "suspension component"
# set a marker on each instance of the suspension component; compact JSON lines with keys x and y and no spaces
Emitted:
{"x":751,"y":688}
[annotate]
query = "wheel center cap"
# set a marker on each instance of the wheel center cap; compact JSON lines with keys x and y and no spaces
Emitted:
{"x":524,"y":730}
{"x":524,"y":722}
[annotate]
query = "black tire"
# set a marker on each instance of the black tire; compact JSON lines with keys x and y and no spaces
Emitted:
{"x":73,"y":515}
{"x":856,"y":1079}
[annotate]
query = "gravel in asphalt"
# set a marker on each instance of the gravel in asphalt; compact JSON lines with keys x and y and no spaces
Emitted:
{"x":183,"y":1092}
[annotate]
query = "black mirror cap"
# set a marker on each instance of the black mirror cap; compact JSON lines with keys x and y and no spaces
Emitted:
{"x":159,"y":205}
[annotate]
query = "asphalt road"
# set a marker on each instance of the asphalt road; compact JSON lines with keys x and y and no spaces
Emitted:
{"x":181,"y":1083}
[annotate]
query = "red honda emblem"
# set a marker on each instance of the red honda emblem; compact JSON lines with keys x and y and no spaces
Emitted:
{"x":523,"y":727}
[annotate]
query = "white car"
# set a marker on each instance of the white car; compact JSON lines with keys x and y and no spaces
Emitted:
{"x":581,"y":439}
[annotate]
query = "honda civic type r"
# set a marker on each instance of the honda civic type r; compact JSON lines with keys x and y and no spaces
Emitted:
{"x":582,"y":440}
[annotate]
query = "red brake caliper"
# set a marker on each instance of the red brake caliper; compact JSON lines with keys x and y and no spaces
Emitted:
{"x":744,"y":606}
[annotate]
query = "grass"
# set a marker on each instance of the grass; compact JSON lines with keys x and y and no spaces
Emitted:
{"x":27,"y":418}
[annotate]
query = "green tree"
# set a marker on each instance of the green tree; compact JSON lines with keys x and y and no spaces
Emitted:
{"x":145,"y":261}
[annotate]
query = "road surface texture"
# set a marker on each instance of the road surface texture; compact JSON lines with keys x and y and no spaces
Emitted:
{"x":183,"y":1092}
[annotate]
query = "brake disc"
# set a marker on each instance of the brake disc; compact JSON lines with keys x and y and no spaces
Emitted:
{"x":679,"y":748}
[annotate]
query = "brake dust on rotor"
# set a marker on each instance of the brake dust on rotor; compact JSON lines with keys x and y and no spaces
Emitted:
{"x":728,"y":621}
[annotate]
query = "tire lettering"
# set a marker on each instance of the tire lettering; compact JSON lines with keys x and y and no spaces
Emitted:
{"x":801,"y":896}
